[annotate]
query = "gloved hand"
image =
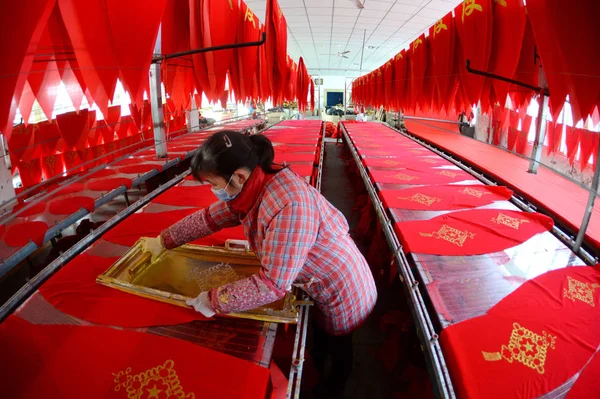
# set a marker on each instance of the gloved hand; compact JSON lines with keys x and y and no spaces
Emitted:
{"x":202,"y":304}
{"x":153,"y":246}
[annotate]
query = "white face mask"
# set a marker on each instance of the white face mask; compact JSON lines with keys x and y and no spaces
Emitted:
{"x":222,"y":193}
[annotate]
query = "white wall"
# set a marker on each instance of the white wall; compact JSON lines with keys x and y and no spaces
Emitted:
{"x":330,"y":83}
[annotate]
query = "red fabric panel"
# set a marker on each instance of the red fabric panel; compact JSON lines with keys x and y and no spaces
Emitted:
{"x":72,"y":84}
{"x":47,"y":137}
{"x":123,"y":127}
{"x":573,"y":41}
{"x":36,"y":208}
{"x":134,"y":54}
{"x":25,"y":20}
{"x":105,"y":131}
{"x":513,"y":134}
{"x":474,"y":22}
{"x":68,"y":206}
{"x":526,"y":126}
{"x":136,"y":116}
{"x":70,"y":189}
{"x":420,"y":176}
{"x":572,"y":143}
{"x":19,"y":141}
{"x":20,"y":233}
{"x":276,"y":48}
{"x":589,"y":145}
{"x":537,"y":338}
{"x":418,"y":61}
{"x":74,"y":128}
{"x":74,"y":291}
{"x":527,"y":71}
{"x":112,"y":363}
{"x":197,"y":196}
{"x":522,"y":142}
{"x":472,"y":232}
{"x":509,"y":27}
{"x":138,"y":169}
{"x":72,"y":161}
{"x":405,"y":162}
{"x":438,"y":198}
{"x":108,"y":184}
{"x":113,"y":116}
{"x":44,"y":80}
{"x":26,"y":103}
{"x":586,"y":386}
{"x":554,"y":137}
{"x":441,"y":38}
{"x":89,"y":30}
{"x":144,"y":225}
{"x":53,"y":165}
{"x":30,"y":172}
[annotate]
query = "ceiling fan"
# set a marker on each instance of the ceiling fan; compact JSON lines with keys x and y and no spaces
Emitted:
{"x":340,"y":54}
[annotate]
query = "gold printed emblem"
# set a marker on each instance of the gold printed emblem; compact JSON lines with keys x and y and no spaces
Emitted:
{"x":417,"y":43}
{"x":525,"y":347}
{"x":447,"y":173}
{"x":501,"y":2}
{"x":230,"y":4}
{"x":509,"y":221}
{"x":437,"y":28}
{"x":403,"y":177}
{"x":474,"y":193}
{"x":399,"y":56}
{"x":450,"y":234}
{"x":468,"y":7}
{"x":50,"y":161}
{"x":422,"y":199}
{"x":249,"y":17}
{"x":391,"y":163}
{"x":158,"y":382}
{"x":213,"y":277}
{"x":578,"y":290}
{"x":429,"y":160}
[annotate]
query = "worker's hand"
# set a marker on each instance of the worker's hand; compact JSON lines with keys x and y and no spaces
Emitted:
{"x":153,"y":246}
{"x":202,"y":304}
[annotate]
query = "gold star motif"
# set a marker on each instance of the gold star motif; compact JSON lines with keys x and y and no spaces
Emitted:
{"x":153,"y":393}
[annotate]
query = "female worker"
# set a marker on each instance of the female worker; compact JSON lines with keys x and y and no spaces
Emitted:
{"x":300,"y":238}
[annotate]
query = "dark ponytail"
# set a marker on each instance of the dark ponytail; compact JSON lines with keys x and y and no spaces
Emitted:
{"x":227,"y":151}
{"x":264,"y":150}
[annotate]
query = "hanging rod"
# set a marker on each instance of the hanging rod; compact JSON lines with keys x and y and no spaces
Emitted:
{"x":159,"y":59}
{"x":537,"y":89}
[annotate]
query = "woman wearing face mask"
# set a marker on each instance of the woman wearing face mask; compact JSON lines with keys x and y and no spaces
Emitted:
{"x":300,"y":238}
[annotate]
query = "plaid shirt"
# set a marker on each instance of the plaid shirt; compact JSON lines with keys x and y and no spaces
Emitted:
{"x":301,"y":240}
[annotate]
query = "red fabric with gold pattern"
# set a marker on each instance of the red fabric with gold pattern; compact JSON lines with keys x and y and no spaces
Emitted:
{"x":20,"y":233}
{"x":99,"y":362}
{"x":418,"y":61}
{"x":438,"y":198}
{"x":52,"y":165}
{"x":419,"y":176}
{"x":47,"y":137}
{"x":30,"y":172}
{"x":474,"y":26}
{"x":20,"y":142}
{"x":108,"y":184}
{"x":530,"y":343}
{"x":412,"y":161}
{"x":68,"y":206}
{"x":74,"y":291}
{"x":472,"y":232}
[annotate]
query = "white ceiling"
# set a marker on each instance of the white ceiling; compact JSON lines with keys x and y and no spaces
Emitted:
{"x":318,"y":28}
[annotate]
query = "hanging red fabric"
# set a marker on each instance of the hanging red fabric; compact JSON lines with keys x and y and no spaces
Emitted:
{"x":572,"y":143}
{"x":123,"y":127}
{"x":441,"y":39}
{"x":509,"y":19}
{"x":74,"y":128}
{"x":88,"y":26}
{"x":30,"y":172}
{"x":522,"y":142}
{"x":589,"y":146}
{"x":52,"y":165}
{"x":25,"y":20}
{"x":418,"y":61}
{"x":113,"y":116}
{"x":276,"y":48}
{"x":247,"y":58}
{"x":429,"y":93}
{"x":26,"y":103}
{"x":474,"y":22}
{"x":312,"y":94}
{"x":388,"y":82}
{"x":513,"y":134}
{"x":472,"y":232}
{"x":19,"y":141}
{"x":400,"y":74}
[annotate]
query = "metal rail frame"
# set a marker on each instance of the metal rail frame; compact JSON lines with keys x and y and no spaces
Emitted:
{"x":521,"y":203}
{"x":438,"y":370}
{"x":33,"y":284}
